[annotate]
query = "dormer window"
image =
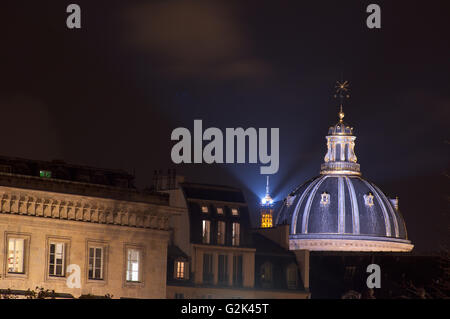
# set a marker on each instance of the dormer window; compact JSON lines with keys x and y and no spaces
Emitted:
{"x":206,"y":228}
{"x":205,"y":209}
{"x":325,"y":199}
{"x":289,"y":200}
{"x":368,"y":199}
{"x":180,"y":270}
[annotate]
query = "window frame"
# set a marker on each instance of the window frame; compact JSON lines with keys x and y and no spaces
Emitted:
{"x":208,"y":278}
{"x":26,"y":254}
{"x":141,"y":274}
{"x":104,"y":246}
{"x":238,"y":270}
{"x":222,"y":264}
{"x":235,"y":238}
{"x":267,"y":268}
{"x":208,"y":228}
{"x":66,"y":258}
{"x":55,"y":263}
{"x":294,"y":269}
{"x":177,"y":272}
{"x":221,"y":235}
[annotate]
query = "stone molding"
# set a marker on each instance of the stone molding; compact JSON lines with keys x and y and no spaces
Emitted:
{"x":83,"y":209}
{"x":348,"y":245}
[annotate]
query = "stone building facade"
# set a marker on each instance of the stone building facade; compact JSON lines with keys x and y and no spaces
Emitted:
{"x":80,"y":231}
{"x":214,"y":253}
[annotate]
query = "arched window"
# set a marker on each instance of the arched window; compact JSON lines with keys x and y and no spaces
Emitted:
{"x":266,"y":274}
{"x":291,"y":276}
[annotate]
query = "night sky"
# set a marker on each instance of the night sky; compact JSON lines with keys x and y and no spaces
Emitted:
{"x":110,"y":94}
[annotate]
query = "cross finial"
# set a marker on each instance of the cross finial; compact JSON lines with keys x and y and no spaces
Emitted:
{"x":342,"y":88}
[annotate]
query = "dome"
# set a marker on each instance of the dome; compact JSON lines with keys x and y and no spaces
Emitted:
{"x":339,"y":210}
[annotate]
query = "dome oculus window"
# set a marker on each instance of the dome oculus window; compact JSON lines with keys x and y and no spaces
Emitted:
{"x":368,"y":199}
{"x":325,"y":199}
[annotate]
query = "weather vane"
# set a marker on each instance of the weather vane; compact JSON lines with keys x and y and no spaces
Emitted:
{"x":342,"y":89}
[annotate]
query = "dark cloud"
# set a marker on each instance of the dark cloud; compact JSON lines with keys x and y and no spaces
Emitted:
{"x":28,"y":129}
{"x":193,"y":38}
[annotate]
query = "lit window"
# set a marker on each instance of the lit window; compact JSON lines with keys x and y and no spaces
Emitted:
{"x":95,"y":263}
{"x":180,"y":266}
{"x":16,"y":247}
{"x":133,"y":269}
{"x":266,"y":218}
{"x":236,"y":232}
{"x":56,"y":259}
{"x":204,"y":209}
{"x":46,"y":174}
{"x":206,"y":226}
{"x":234,"y":212}
{"x":221,"y":233}
{"x":219,"y":210}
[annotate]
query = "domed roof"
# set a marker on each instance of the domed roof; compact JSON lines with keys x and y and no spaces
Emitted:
{"x":339,"y":210}
{"x":342,"y":205}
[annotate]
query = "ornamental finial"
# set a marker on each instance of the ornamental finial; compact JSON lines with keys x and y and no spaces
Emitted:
{"x":342,"y":89}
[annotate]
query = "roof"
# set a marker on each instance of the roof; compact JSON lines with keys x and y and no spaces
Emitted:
{"x":213,"y":193}
{"x":339,"y":204}
{"x":175,"y":252}
{"x":265,"y":246}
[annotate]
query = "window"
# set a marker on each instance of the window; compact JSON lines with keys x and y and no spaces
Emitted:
{"x":16,"y":255}
{"x":46,"y":174}
{"x":236,"y":232}
{"x":349,"y":272}
{"x":204,"y":209}
{"x":324,"y":199}
{"x":5,"y":169}
{"x":223,"y":269}
{"x":208,"y":268}
{"x":292,"y":276}
{"x":219,"y":210}
{"x":180,"y":270}
{"x":266,"y":274}
{"x":56,"y":259}
{"x":221,"y":233}
{"x":237,"y":270}
{"x":133,"y":265}
{"x":206,"y":227}
{"x":96,"y":256}
{"x":234,"y":212}
{"x":368,"y":199}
